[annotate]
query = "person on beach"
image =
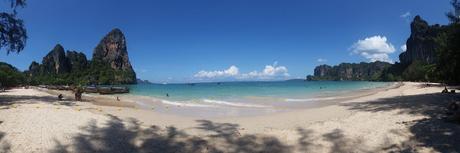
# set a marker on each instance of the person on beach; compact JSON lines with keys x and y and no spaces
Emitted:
{"x":78,"y":93}
{"x":118,"y":98}
{"x":60,"y":97}
{"x":445,"y":90}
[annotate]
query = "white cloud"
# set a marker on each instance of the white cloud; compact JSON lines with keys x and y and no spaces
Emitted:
{"x":270,"y":72}
{"x":321,"y":60}
{"x":231,"y":71}
{"x":375,"y":48}
{"x":404,"y":48}
{"x":405,"y":15}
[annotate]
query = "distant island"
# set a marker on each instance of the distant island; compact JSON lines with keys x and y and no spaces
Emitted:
{"x":140,"y":81}
{"x":427,"y":58}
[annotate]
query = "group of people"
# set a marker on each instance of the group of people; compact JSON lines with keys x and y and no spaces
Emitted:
{"x":77,"y":92}
{"x":447,"y":91}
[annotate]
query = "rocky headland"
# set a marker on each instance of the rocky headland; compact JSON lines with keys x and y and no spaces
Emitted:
{"x":109,"y":65}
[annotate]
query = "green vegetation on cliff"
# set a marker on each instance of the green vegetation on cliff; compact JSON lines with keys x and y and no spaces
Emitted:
{"x":433,"y":54}
{"x":109,"y":65}
{"x":350,"y":71}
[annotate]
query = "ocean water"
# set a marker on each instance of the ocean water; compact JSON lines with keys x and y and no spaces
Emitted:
{"x":250,"y":94}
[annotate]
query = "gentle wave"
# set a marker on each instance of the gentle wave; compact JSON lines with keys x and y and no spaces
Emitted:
{"x":312,"y":99}
{"x":234,"y":104}
{"x":185,"y":104}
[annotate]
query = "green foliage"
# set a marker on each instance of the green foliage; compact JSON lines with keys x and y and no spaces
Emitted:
{"x":351,"y":71}
{"x":448,"y":64}
{"x":13,"y":34}
{"x":101,"y":73}
{"x":10,"y":76}
{"x":454,"y":16}
{"x":446,"y":67}
{"x":418,"y":71}
{"x":97,"y":73}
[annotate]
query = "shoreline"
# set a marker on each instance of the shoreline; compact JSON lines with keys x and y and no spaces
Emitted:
{"x":392,"y":119}
{"x":221,"y":109}
{"x":248,"y":109}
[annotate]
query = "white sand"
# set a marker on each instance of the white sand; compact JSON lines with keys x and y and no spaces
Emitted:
{"x":32,"y":121}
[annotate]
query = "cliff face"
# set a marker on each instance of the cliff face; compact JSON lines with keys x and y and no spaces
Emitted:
{"x":58,"y":62}
{"x":350,"y":71}
{"x":421,"y":44}
{"x":55,"y":62}
{"x":110,"y":64}
{"x":34,"y":69}
{"x":421,"y":49}
{"x":322,"y":70}
{"x":112,"y":50}
{"x":77,"y":61}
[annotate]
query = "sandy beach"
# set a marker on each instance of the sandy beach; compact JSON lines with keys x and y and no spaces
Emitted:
{"x":408,"y":118}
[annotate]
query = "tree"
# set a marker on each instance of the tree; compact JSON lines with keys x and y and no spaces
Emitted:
{"x":454,"y":16}
{"x":10,"y":76}
{"x":416,"y":71}
{"x":448,"y":64}
{"x":13,"y":34}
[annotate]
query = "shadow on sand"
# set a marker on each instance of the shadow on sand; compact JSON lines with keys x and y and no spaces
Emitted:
{"x":126,"y":137}
{"x":129,"y":136}
{"x":119,"y":137}
{"x":6,"y":100}
{"x":434,"y":131}
{"x":4,"y":145}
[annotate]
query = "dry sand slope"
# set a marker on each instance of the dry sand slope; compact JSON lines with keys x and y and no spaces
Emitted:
{"x":408,"y":118}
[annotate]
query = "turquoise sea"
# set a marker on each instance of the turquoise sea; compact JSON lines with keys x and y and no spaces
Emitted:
{"x":247,"y":94}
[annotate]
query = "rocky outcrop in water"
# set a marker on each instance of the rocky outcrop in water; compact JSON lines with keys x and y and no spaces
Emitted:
{"x":349,"y":71}
{"x":112,"y":50}
{"x":421,"y":44}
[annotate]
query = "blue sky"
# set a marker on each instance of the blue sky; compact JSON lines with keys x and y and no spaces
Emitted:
{"x":208,"y":40}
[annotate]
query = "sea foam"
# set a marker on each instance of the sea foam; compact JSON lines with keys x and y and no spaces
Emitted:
{"x":184,"y":103}
{"x":312,"y":99}
{"x":234,"y":104}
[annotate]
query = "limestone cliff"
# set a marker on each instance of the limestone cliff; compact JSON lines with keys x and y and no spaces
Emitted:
{"x":55,"y":62}
{"x":77,"y":61}
{"x":112,"y":51}
{"x":110,"y":64}
{"x":350,"y":71}
{"x":421,"y":45}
